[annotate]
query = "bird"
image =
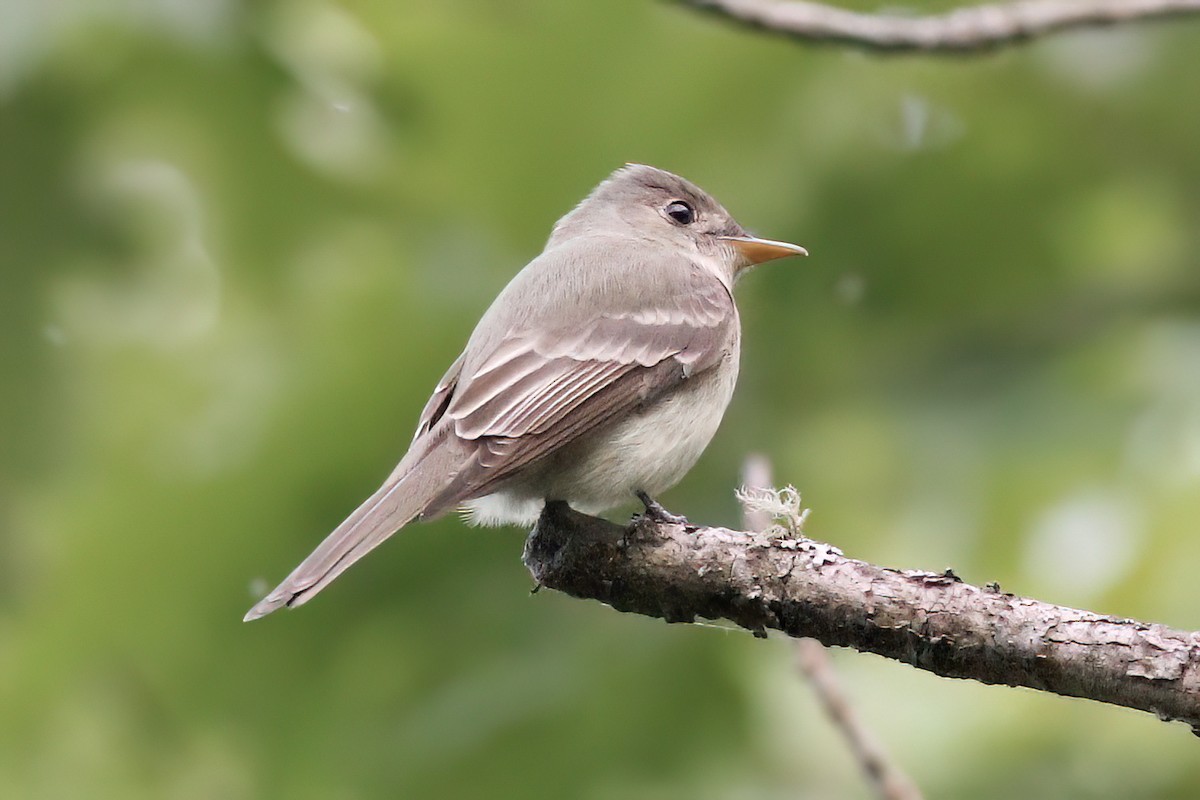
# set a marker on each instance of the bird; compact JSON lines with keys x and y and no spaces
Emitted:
{"x":598,"y":375}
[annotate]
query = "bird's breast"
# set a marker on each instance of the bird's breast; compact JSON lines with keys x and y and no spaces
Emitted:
{"x":653,"y":449}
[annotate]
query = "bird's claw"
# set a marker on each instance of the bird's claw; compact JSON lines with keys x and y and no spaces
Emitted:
{"x":656,"y":512}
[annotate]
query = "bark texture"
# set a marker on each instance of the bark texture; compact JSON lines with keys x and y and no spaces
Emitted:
{"x":933,"y":621}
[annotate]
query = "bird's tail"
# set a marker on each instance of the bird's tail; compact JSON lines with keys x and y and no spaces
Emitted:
{"x":404,"y":496}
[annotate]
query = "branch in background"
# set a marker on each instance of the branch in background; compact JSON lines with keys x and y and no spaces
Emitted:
{"x":961,"y":31}
{"x":804,"y":588}
{"x":887,"y":780}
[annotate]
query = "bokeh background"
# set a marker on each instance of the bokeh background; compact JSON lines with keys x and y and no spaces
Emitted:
{"x":240,"y":241}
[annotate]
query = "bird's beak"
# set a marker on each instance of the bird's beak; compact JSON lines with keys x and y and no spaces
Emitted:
{"x":756,"y":250}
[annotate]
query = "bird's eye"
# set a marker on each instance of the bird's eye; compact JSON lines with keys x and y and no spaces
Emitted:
{"x":681,"y":212}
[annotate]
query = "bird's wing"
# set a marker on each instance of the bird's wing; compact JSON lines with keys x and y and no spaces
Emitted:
{"x":540,"y":389}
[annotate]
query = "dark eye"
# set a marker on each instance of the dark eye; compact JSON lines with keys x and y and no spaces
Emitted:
{"x":681,"y":212}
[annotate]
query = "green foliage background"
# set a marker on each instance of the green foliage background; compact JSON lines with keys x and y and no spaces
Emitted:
{"x":240,"y":241}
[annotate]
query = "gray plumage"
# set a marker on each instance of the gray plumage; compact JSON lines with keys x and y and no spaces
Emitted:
{"x":601,"y":370}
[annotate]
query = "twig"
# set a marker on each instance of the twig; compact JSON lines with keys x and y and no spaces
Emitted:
{"x":885,"y":777}
{"x":964,"y":30}
{"x":929,"y":620}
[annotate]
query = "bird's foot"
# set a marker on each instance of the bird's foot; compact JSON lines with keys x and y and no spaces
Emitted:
{"x":656,"y":512}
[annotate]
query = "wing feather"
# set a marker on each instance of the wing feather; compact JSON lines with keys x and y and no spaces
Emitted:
{"x":534,"y":378}
{"x":540,"y":389}
{"x":440,"y":399}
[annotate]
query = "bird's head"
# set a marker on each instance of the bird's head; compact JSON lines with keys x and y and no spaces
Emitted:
{"x":664,"y":209}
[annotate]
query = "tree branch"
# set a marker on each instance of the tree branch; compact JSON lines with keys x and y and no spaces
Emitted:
{"x":931,"y":621}
{"x":964,"y":30}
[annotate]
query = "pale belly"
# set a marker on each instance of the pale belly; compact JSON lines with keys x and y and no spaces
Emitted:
{"x":648,"y":451}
